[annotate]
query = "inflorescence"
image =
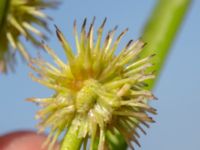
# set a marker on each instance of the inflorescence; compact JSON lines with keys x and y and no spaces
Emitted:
{"x":96,"y":91}
{"x":22,"y":18}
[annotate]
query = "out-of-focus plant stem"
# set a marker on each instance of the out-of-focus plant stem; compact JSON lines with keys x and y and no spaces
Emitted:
{"x":160,"y":31}
{"x":159,"y":34}
{"x":4,"y":6}
{"x":3,"y":11}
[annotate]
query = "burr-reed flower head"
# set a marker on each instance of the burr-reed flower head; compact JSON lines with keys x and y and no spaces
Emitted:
{"x":97,"y":91}
{"x":21,"y":18}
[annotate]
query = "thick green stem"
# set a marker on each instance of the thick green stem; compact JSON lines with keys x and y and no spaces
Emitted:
{"x":159,"y":33}
{"x":3,"y":11}
{"x":71,"y":140}
{"x":4,"y":5}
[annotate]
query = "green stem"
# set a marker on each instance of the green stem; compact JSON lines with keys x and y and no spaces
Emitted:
{"x":159,"y":33}
{"x":3,"y":11}
{"x":4,"y":4}
{"x":71,"y":140}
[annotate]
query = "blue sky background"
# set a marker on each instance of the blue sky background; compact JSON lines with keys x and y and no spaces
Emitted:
{"x":178,"y":119}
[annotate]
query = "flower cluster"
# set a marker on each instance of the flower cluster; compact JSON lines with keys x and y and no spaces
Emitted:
{"x":96,"y":91}
{"x":22,"y":18}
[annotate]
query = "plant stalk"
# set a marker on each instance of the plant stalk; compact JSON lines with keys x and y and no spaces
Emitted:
{"x":3,"y":11}
{"x":71,"y":140}
{"x":161,"y":30}
{"x":4,"y":6}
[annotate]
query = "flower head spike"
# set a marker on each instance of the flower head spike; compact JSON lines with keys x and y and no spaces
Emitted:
{"x":21,"y":18}
{"x":97,"y":91}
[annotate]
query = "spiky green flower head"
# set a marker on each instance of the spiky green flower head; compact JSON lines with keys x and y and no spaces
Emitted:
{"x":96,"y":91}
{"x":21,"y":18}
